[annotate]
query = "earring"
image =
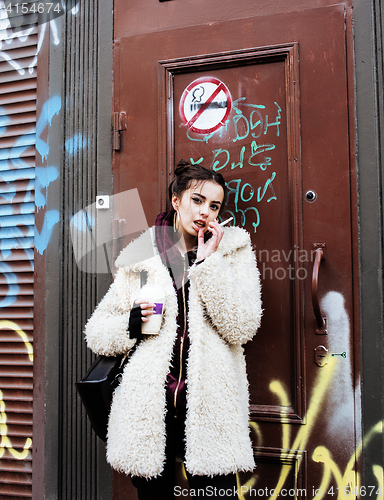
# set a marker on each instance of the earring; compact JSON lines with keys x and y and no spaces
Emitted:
{"x":175,"y":221}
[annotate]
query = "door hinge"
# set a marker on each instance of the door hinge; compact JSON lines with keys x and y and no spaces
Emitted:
{"x":119,"y":124}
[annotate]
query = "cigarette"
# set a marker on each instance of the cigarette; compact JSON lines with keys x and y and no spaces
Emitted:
{"x":226,"y":221}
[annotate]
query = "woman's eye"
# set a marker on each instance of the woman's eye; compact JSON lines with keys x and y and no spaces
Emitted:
{"x":214,"y":207}
{"x":196,"y":200}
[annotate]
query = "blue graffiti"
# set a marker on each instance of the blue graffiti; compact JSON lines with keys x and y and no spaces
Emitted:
{"x":255,"y":121}
{"x":266,"y":185}
{"x":10,"y":157}
{"x":216,"y":163}
{"x":51,"y":108}
{"x":75,"y":143}
{"x":51,"y":218}
{"x":204,"y":138}
{"x":197,"y":162}
{"x":275,"y":123}
{"x":83,"y":221}
{"x":219,"y":164}
{"x":4,"y":121}
{"x":44,"y":176}
{"x":250,"y":123}
{"x":13,"y":287}
{"x":10,"y":175}
{"x":17,"y":229}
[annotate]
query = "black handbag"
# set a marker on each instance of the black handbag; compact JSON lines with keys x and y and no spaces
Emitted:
{"x":96,"y":389}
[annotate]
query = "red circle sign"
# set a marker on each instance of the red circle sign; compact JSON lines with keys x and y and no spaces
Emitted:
{"x":205,"y":105}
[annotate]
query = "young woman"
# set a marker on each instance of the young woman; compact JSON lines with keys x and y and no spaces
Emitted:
{"x":184,"y":392}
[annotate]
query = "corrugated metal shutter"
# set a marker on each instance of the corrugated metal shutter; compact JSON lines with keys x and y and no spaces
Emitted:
{"x":17,"y":162}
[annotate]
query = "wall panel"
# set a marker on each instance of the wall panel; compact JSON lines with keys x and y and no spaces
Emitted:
{"x":369,"y":72}
{"x":82,"y":469}
{"x":17,"y":208}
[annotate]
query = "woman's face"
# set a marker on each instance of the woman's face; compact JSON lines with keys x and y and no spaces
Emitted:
{"x":197,"y":207}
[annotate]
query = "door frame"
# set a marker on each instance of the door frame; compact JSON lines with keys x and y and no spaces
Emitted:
{"x":369,"y":95}
{"x":349,"y":92}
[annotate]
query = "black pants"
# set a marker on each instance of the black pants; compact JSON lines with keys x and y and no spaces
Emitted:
{"x":163,"y":487}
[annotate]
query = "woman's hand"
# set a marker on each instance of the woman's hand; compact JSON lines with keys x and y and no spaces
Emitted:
{"x":139,"y":311}
{"x":146,"y":308}
{"x":204,"y":250}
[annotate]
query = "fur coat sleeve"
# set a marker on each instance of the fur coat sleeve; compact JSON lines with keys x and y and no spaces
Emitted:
{"x":228,"y":285}
{"x":106,"y":331}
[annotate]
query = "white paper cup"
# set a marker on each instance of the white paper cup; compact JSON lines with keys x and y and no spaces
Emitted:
{"x":152,"y":326}
{"x":154,"y":295}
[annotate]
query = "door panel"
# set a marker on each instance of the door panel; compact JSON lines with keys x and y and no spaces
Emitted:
{"x":255,"y":150}
{"x":287,"y":134}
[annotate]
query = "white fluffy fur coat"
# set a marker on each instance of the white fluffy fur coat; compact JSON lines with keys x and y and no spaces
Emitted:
{"x":224,"y":313}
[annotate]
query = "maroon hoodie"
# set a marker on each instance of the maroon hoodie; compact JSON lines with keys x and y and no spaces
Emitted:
{"x":177,"y":266}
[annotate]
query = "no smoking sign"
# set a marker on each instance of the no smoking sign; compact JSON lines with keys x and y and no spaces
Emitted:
{"x":205,"y":105}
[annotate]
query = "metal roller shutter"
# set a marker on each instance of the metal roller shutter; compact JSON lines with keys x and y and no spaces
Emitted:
{"x":17,"y":207}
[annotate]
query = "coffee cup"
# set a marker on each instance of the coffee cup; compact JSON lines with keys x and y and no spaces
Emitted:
{"x":154,"y":295}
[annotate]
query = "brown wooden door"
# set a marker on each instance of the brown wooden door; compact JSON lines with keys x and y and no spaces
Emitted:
{"x":284,"y":149}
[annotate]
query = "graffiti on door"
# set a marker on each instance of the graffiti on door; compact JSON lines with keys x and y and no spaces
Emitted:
{"x":336,"y":482}
{"x":253,"y":131}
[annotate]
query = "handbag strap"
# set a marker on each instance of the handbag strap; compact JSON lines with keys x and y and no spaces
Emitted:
{"x":143,"y":278}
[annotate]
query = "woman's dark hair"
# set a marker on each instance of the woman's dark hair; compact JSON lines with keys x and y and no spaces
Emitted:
{"x":186,"y":174}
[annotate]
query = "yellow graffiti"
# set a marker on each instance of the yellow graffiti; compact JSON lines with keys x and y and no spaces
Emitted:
{"x":348,"y":484}
{"x":245,"y":487}
{"x":345,"y":483}
{"x":10,"y":325}
{"x":376,"y":429}
{"x":256,"y":428}
{"x":378,"y":472}
{"x":5,"y":443}
{"x":280,"y":392}
{"x":320,"y":389}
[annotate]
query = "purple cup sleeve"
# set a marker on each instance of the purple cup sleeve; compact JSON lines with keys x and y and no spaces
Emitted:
{"x":158,"y":309}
